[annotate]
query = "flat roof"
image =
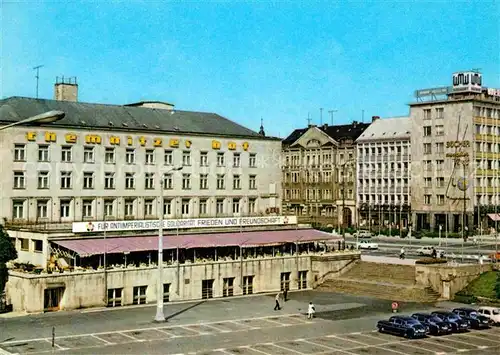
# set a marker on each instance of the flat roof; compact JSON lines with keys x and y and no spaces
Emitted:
{"x":98,"y":246}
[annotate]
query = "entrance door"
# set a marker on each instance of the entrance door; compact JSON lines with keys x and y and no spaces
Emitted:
{"x":207,"y":289}
{"x":347,"y":217}
{"x":52,"y":298}
{"x":285,"y":281}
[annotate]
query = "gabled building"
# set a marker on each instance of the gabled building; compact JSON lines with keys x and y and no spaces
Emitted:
{"x":319,"y":164}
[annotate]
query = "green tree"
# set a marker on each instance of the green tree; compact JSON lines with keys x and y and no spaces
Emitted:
{"x":7,"y":252}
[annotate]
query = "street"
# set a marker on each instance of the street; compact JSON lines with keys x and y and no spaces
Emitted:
{"x":343,"y":325}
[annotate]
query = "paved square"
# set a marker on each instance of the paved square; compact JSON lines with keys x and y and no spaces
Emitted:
{"x":407,"y":347}
{"x":147,"y":334}
{"x":29,"y":347}
{"x":78,"y":342}
{"x":115,"y":338}
{"x":302,"y":346}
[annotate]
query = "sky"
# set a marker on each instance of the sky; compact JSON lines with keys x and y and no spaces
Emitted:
{"x":280,"y":61}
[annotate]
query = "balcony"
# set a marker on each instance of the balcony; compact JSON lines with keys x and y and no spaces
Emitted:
{"x":486,"y":121}
{"x":488,"y":189}
{"x":487,"y":172}
{"x":487,"y":155}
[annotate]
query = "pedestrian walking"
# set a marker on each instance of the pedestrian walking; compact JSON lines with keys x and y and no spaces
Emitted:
{"x":310,"y":310}
{"x":277,"y":299}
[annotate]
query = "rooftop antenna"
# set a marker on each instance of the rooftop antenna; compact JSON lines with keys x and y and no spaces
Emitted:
{"x":321,"y":116}
{"x":362,"y":116}
{"x":37,"y":76}
{"x":308,"y":119}
{"x":331,"y":112}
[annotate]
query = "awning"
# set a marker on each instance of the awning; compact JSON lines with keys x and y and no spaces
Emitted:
{"x":494,"y":216}
{"x":89,"y":247}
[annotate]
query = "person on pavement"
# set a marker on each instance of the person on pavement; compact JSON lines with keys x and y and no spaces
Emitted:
{"x":402,"y":253}
{"x":310,"y":310}
{"x":434,"y":253}
{"x":278,"y":298}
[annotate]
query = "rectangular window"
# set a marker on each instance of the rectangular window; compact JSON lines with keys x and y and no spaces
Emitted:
{"x":247,"y":285}
{"x":440,"y":199}
{"x":130,"y":156}
{"x":149,"y":157}
{"x":129,"y":208}
{"x":285,"y":281}
{"x":148,"y":207}
{"x":236,"y":182}
{"x":18,"y":209}
{"x":88,"y":154}
{"x":149,"y":181}
{"x":66,"y":155}
{"x":440,"y":182}
{"x":186,"y":158}
{"x":109,"y":208}
{"x":427,"y":131}
{"x":166,"y":292}
{"x":439,"y":112}
{"x":43,"y":152}
{"x":168,"y":157}
{"x":19,"y":180}
{"x":25,"y":244}
{"x":186,"y":181}
{"x":129,"y":181}
{"x":220,"y":159}
{"x":236,"y":160}
{"x":42,"y":209}
{"x":427,"y":182}
{"x":185,"y":208}
{"x":427,"y":148}
{"x":439,"y":130}
{"x":65,"y":179}
{"x":168,"y":182}
{"x":43,"y":180}
{"x":37,"y":246}
{"x":203,"y":181}
{"x":109,"y":180}
{"x":203,"y":159}
{"x":109,"y":155}
{"x":252,"y":182}
{"x":228,"y":287}
{"x":207,"y":289}
{"x":203,"y":207}
{"x":236,"y":206}
{"x":64,"y":208}
{"x":88,"y":180}
{"x":220,"y":182}
{"x":251,"y":205}
{"x":252,"y":160}
{"x":427,"y":114}
{"x":219,"y":206}
{"x":302,"y":280}
{"x":87,"y":210}
{"x":115,"y":297}
{"x":427,"y":199}
{"x":439,"y":148}
{"x":19,"y":152}
{"x":167,"y":207}
{"x":140,"y":294}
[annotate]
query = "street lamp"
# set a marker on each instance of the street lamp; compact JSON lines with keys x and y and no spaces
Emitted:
{"x":160,"y":317}
{"x":344,"y":166}
{"x":46,"y":117}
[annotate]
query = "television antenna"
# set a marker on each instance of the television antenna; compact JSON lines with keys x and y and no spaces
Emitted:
{"x":37,"y":76}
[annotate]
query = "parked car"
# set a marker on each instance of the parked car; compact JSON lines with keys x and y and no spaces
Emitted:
{"x":403,"y":326}
{"x":366,"y":244}
{"x":457,"y":324}
{"x":490,"y":312}
{"x":427,"y":251}
{"x":436,"y":325}
{"x":363,"y":234}
{"x":475,"y":320}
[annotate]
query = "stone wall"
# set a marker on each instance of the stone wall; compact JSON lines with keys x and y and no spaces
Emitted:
{"x":25,"y":291}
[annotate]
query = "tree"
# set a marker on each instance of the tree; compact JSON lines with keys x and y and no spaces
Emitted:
{"x":7,"y":253}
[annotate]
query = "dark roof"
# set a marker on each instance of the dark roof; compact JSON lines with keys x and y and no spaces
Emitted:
{"x":119,"y":117}
{"x":337,"y":132}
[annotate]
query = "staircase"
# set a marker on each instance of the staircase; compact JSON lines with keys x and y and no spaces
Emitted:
{"x":384,"y":281}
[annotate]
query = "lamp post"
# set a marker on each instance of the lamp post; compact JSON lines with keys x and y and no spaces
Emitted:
{"x":344,"y":166}
{"x":46,"y":117}
{"x":160,"y":316}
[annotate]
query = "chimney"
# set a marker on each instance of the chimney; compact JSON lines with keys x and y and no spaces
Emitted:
{"x":374,"y":118}
{"x":354,"y":123}
{"x":66,"y":89}
{"x":325,"y":126}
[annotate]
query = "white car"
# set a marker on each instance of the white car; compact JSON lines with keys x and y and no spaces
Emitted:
{"x":427,"y":251}
{"x":490,"y":312}
{"x":366,"y":244}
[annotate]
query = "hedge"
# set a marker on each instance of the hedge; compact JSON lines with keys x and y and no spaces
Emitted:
{"x":430,"y":261}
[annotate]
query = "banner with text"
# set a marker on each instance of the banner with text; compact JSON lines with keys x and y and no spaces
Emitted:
{"x":115,"y":226}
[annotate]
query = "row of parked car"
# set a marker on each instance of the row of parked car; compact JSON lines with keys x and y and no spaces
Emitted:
{"x":419,"y":325}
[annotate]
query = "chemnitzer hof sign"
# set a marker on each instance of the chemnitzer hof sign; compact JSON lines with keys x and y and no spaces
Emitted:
{"x":115,"y":226}
{"x":467,"y":82}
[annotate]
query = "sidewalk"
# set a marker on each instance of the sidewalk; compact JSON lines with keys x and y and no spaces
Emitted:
{"x":480,"y":239}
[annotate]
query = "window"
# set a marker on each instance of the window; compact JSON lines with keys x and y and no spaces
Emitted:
{"x":17,"y":209}
{"x":168,"y":157}
{"x":219,"y":206}
{"x":140,"y":294}
{"x":220,"y":159}
{"x":115,"y":297}
{"x":440,"y":182}
{"x":207,"y":289}
{"x":43,"y":152}
{"x":439,"y":164}
{"x":130,"y":156}
{"x":252,"y":161}
{"x":427,"y":114}
{"x":129,"y":181}
{"x":302,"y":280}
{"x":427,"y":182}
{"x":251,"y":205}
{"x":186,"y":158}
{"x":228,"y":287}
{"x":148,"y":207}
{"x":19,"y":180}
{"x":236,"y":182}
{"x":186,"y":181}
{"x":88,"y":180}
{"x":166,"y":292}
{"x":167,"y":207}
{"x":87,"y":210}
{"x":203,"y":181}
{"x":109,"y":180}
{"x":150,"y":157}
{"x":88,"y":154}
{"x":149,"y":181}
{"x":42,"y":209}
{"x":19,"y":152}
{"x":220,"y":182}
{"x":25,"y":244}
{"x":185,"y":207}
{"x":236,"y":160}
{"x":65,"y":179}
{"x":203,"y":159}
{"x":440,"y":112}
{"x":129,"y":208}
{"x":439,"y":148}
{"x":203,"y":207}
{"x":427,"y":131}
{"x":168,"y":182}
{"x":439,"y":130}
{"x":252,"y":182}
{"x":427,"y":199}
{"x":440,"y":199}
{"x":109,"y":155}
{"x":109,"y":208}
{"x":66,"y":154}
{"x":236,"y":206}
{"x":285,"y":281}
{"x":427,"y":148}
{"x":64,"y":208}
{"x":247,"y":285}
{"x":38,"y":245}
{"x":43,"y":179}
